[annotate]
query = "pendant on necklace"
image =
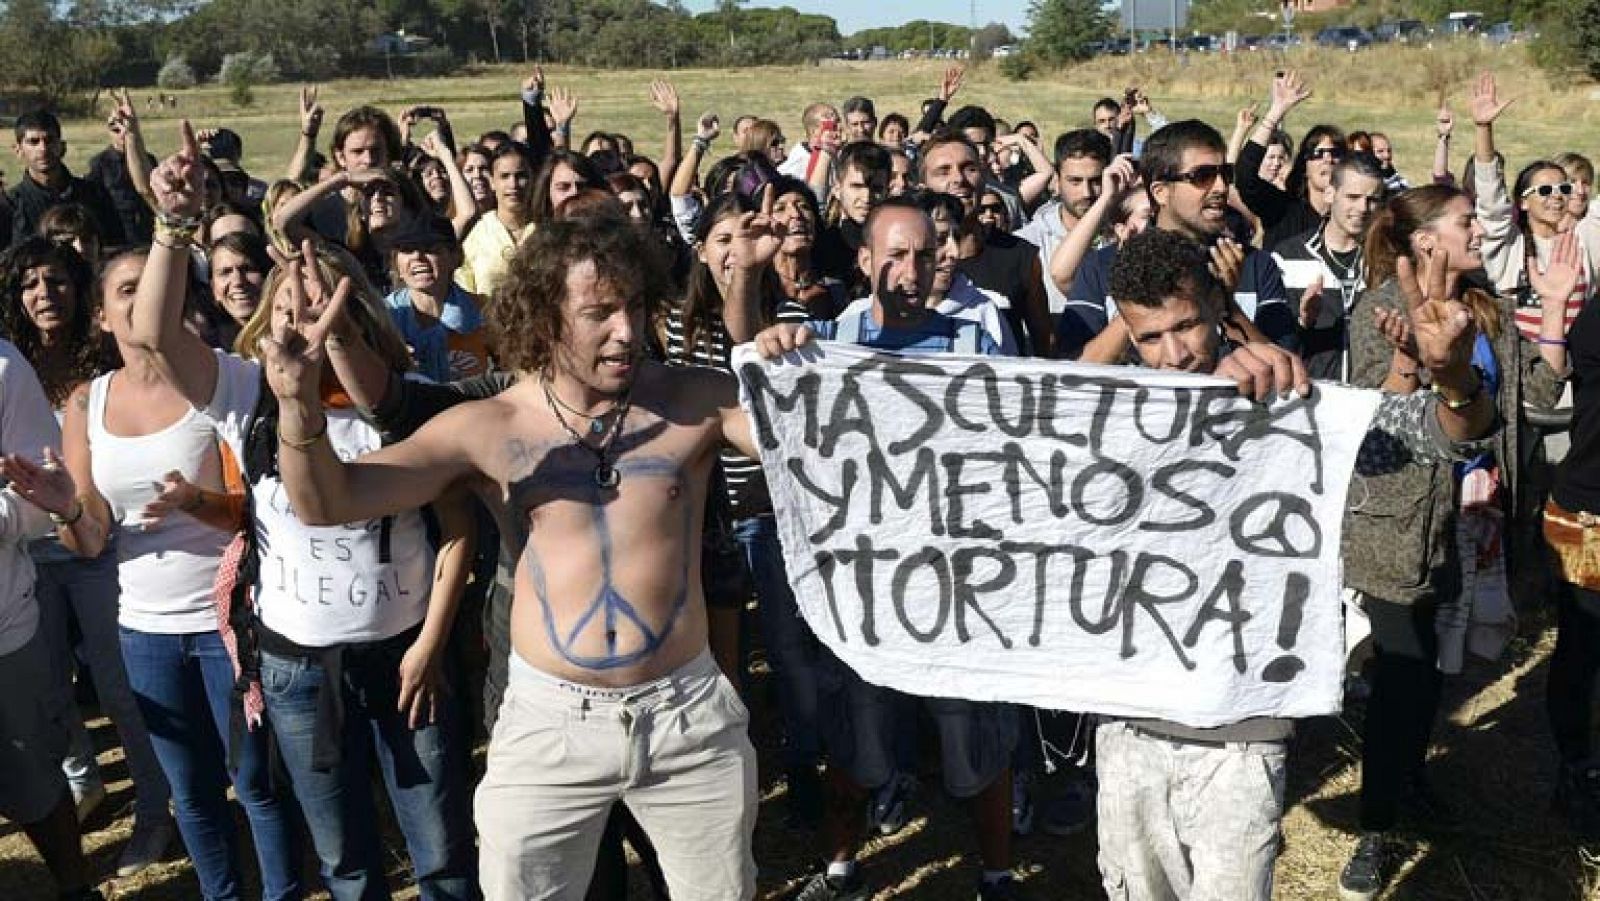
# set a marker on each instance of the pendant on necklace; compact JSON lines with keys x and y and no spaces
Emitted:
{"x":597,"y":426}
{"x":606,"y":476}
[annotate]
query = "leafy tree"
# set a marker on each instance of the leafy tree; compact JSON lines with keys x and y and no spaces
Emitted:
{"x":990,"y":36}
{"x":1061,"y":31}
{"x":42,"y":50}
{"x":176,"y":73}
{"x":1585,"y":23}
{"x":918,"y":34}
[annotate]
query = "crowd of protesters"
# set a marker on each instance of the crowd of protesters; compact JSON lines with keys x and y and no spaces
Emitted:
{"x":318,"y":477}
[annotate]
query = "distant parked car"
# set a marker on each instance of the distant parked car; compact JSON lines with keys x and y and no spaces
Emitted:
{"x":1348,"y":37}
{"x":1283,"y":41}
{"x":1500,"y":34}
{"x":1004,"y":50}
{"x":1402,"y":31}
{"x":1461,"y":23}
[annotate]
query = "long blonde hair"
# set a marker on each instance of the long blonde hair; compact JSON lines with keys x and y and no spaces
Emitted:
{"x":364,"y":307}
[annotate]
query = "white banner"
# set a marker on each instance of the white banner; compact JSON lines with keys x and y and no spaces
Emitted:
{"x":1102,"y":539}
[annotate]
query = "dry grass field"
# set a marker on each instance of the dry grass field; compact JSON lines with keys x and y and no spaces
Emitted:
{"x":1395,"y":89}
{"x":1492,"y":756}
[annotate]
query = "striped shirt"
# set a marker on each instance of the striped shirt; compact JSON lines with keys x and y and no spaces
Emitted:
{"x":1529,"y":314}
{"x":747,"y":489}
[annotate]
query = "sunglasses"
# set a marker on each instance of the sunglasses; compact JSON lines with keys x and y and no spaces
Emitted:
{"x":1564,"y":189}
{"x":1206,"y":176}
{"x":995,"y":208}
{"x":1328,"y":153}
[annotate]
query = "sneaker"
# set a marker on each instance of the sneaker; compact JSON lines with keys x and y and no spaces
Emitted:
{"x":823,"y":887}
{"x":890,"y":803}
{"x":1004,"y":890}
{"x":1362,"y":877}
{"x":88,"y":799}
{"x":1578,"y":798}
{"x":148,"y":845}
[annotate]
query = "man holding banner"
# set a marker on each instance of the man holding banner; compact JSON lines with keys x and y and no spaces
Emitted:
{"x":1043,"y":544}
{"x":1186,"y":811}
{"x":902,"y":256}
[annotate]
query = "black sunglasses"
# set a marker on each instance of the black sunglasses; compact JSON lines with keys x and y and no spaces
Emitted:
{"x":1206,"y":176}
{"x":1329,"y":153}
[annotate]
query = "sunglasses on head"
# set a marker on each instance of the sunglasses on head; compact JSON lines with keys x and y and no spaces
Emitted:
{"x":1328,"y":153}
{"x":1206,"y":176}
{"x":1564,"y":189}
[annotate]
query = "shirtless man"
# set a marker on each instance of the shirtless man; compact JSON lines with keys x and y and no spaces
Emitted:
{"x":596,"y":464}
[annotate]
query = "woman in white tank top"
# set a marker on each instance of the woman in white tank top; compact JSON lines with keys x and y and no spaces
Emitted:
{"x":142,"y":464}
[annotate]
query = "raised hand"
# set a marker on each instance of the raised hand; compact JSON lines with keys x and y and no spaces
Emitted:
{"x":1141,"y":102}
{"x":1117,"y":179}
{"x":709,"y":127}
{"x":48,"y":487}
{"x":1444,"y":121}
{"x":664,"y":97}
{"x":535,"y":80}
{"x":1441,"y":326}
{"x":1246,"y":118}
{"x":175,"y":494}
{"x":178,"y":182}
{"x":1227,"y":262}
{"x":951,"y":83}
{"x":1444,"y":334}
{"x":293,"y":350}
{"x":1487,"y":104}
{"x":1559,"y":279}
{"x":310,"y":111}
{"x":1288,"y":91}
{"x":563,"y":106}
{"x":122,"y":110}
{"x":433,"y":146}
{"x":757,"y":236}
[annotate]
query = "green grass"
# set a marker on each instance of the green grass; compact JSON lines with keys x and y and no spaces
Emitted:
{"x":1393,"y":89}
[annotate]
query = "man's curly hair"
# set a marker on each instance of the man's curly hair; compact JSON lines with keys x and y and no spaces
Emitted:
{"x":1156,"y":265}
{"x":525,"y":313}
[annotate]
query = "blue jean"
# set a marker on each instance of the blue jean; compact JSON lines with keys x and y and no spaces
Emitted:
{"x":88,"y":590}
{"x":791,"y":648}
{"x":183,"y":684}
{"x":424,"y":770}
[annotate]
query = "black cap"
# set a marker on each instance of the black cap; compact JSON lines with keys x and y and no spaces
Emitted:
{"x":224,"y":145}
{"x":420,"y":233}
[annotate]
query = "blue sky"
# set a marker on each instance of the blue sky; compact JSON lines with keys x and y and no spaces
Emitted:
{"x":854,"y":15}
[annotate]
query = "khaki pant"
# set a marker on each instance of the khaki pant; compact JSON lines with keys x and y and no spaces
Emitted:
{"x":1185,"y":821}
{"x":674,"y":750}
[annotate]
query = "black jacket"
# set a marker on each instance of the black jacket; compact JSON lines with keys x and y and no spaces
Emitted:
{"x":30,"y":200}
{"x":1282,"y":214}
{"x":109,"y":169}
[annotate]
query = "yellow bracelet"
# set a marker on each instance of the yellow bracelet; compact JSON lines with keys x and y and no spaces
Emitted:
{"x":307,"y":442}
